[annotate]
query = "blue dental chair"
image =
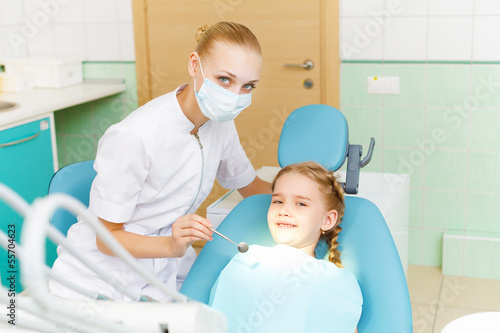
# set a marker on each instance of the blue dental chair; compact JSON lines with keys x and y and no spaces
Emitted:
{"x":73,"y":179}
{"x":320,"y":133}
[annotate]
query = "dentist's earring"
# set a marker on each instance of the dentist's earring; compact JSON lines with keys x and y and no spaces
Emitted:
{"x":323,"y":232}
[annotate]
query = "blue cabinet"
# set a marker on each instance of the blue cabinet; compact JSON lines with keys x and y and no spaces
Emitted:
{"x":26,"y":166}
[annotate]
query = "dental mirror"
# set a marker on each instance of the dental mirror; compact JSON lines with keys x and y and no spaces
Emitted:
{"x":242,"y":247}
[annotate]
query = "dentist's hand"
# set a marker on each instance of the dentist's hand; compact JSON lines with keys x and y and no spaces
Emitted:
{"x":186,"y":230}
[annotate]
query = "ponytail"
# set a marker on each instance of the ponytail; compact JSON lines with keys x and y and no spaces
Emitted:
{"x":331,"y":236}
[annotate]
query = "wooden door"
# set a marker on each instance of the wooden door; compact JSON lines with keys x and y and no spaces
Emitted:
{"x":289,"y":31}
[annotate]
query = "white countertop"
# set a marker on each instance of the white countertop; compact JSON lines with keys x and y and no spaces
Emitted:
{"x":37,"y":102}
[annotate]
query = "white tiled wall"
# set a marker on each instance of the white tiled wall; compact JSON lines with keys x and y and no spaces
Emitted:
{"x":420,"y":30}
{"x":96,"y":30}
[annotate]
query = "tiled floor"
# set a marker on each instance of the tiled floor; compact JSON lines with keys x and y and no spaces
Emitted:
{"x":437,"y":300}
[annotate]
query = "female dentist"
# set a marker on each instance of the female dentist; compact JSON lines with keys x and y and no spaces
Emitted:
{"x":158,"y":165}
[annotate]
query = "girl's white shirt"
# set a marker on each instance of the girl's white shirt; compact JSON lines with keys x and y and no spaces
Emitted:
{"x":150,"y":171}
{"x":282,"y":289}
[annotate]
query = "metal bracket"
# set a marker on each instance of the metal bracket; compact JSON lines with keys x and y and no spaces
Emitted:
{"x":354,"y":164}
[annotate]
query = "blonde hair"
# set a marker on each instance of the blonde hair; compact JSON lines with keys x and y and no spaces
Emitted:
{"x":333,"y":197}
{"x":231,"y":33}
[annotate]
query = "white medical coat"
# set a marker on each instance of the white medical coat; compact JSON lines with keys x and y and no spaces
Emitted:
{"x":151,"y":171}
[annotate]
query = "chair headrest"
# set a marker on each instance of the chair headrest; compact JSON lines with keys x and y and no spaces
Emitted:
{"x":316,"y":133}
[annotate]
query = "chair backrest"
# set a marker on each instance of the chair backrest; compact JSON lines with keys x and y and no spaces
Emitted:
{"x":73,"y":179}
{"x":323,"y":137}
{"x":366,"y":244}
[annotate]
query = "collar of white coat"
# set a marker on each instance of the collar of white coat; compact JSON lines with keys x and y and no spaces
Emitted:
{"x":184,"y":123}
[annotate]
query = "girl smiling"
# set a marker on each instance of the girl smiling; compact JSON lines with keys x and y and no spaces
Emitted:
{"x":285,"y":288}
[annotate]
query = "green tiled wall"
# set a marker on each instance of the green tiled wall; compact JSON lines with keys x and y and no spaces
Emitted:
{"x":79,"y":128}
{"x":471,"y":250}
{"x":443,"y":130}
{"x":447,"y":85}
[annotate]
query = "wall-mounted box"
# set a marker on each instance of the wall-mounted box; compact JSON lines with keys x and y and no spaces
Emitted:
{"x":16,"y":83}
{"x":383,"y":85}
{"x":48,"y":72}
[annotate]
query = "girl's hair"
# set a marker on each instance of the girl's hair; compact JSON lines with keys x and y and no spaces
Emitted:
{"x":225,"y":32}
{"x":333,"y":197}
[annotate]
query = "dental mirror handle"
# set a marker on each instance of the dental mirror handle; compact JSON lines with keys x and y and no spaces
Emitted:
{"x":218,"y":233}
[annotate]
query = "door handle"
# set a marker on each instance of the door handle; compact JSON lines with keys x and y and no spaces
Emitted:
{"x":308,"y":65}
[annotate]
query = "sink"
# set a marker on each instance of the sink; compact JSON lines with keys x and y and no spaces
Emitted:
{"x":6,"y":106}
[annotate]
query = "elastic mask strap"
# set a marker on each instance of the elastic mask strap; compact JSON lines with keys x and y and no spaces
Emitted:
{"x":202,"y":74}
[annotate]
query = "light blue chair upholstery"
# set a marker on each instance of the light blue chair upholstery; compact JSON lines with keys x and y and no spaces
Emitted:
{"x":367,"y":247}
{"x":73,"y":179}
{"x":326,"y":134}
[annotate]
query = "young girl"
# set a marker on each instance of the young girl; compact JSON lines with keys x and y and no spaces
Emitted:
{"x":158,"y":165}
{"x":284,"y":288}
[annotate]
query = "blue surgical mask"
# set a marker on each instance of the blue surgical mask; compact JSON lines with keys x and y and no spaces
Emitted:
{"x":217,"y":103}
